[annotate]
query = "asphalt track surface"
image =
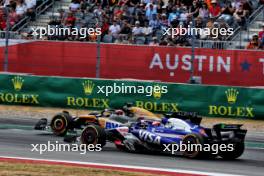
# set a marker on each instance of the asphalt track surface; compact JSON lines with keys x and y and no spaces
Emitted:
{"x":17,"y":143}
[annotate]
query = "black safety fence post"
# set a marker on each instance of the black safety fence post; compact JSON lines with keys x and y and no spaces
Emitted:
{"x":98,"y":48}
{"x":191,"y":80}
{"x":6,"y":39}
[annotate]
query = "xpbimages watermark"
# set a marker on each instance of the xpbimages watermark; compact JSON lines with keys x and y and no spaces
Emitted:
{"x":61,"y":147}
{"x":132,"y":89}
{"x":65,"y":31}
{"x":212,"y":148}
{"x":213,"y":32}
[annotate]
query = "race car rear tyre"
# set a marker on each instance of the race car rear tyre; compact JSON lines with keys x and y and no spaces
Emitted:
{"x":93,"y":134}
{"x":60,"y":123}
{"x":193,"y":139}
{"x":237,"y":152}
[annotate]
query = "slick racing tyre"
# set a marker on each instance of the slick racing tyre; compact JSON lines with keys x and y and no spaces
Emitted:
{"x":237,"y":152}
{"x":93,"y":134}
{"x":190,"y":140}
{"x":60,"y":123}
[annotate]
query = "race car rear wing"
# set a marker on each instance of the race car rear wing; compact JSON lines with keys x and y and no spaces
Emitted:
{"x":223,"y":131}
{"x":227,"y":127}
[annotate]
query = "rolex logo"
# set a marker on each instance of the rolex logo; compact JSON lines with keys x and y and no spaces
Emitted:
{"x":88,"y":87}
{"x":231,"y":95}
{"x":17,"y":83}
{"x":157,"y":91}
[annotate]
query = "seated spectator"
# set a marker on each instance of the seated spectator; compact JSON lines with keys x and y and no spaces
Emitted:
{"x":147,"y":30}
{"x":98,"y":11}
{"x":261,"y":33}
{"x":13,"y":18}
{"x":254,"y":44}
{"x":236,"y":3}
{"x":139,"y":9}
{"x":137,"y":30}
{"x":240,"y":15}
{"x":164,"y":21}
{"x":118,"y":12}
{"x":2,"y":20}
{"x":204,"y":12}
{"x":21,"y":8}
{"x":195,"y":8}
{"x":155,"y":22}
{"x":199,"y":22}
{"x":227,"y":13}
{"x":62,"y":16}
{"x":74,"y":5}
{"x":105,"y":27}
{"x":150,"y":10}
{"x":114,"y":29}
{"x":261,"y":37}
{"x":214,"y":8}
{"x":183,"y":15}
{"x":126,"y":28}
{"x":31,"y":5}
{"x":223,"y":25}
{"x":132,"y":4}
{"x":174,"y":15}
{"x":160,"y":4}
{"x":141,"y":18}
{"x":70,"y":20}
{"x":247,"y":6}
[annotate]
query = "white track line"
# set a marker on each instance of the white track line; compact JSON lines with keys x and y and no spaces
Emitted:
{"x":124,"y":166}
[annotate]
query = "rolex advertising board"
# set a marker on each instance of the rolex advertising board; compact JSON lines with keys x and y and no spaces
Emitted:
{"x":96,"y":94}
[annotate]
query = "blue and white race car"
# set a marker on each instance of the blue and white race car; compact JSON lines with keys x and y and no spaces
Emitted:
{"x":175,"y":133}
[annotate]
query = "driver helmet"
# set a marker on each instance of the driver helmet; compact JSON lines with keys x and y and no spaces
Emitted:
{"x":119,"y":112}
{"x":143,"y":124}
{"x":170,"y":123}
{"x":107,"y":113}
{"x":128,"y":110}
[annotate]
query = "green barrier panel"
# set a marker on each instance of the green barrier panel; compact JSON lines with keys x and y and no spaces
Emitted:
{"x":212,"y":101}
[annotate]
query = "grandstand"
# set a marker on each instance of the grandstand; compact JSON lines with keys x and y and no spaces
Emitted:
{"x":140,"y":22}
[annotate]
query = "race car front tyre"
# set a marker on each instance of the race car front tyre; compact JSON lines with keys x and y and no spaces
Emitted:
{"x":93,"y":134}
{"x":238,"y":150}
{"x":191,"y":140}
{"x":60,"y":123}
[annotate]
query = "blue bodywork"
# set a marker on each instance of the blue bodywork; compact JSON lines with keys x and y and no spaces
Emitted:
{"x":161,"y":134}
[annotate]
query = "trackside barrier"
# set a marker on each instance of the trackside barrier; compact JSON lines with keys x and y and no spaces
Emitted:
{"x":164,"y":63}
{"x":83,"y":93}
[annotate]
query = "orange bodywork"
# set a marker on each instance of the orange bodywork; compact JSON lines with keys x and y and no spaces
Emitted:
{"x":137,"y":112}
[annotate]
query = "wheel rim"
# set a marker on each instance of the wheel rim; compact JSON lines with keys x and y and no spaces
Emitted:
{"x":190,"y":141}
{"x":89,"y":136}
{"x":58,"y":124}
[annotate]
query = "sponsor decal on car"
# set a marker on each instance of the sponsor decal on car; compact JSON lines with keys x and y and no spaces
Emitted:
{"x":149,"y":137}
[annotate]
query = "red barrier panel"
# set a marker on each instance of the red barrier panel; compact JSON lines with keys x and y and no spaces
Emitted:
{"x":223,"y":67}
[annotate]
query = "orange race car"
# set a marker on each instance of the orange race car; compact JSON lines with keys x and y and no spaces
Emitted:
{"x":62,"y":122}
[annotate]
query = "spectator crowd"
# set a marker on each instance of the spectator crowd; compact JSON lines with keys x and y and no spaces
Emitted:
{"x":141,"y":21}
{"x":144,"y":21}
{"x":16,"y":10}
{"x":257,"y":41}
